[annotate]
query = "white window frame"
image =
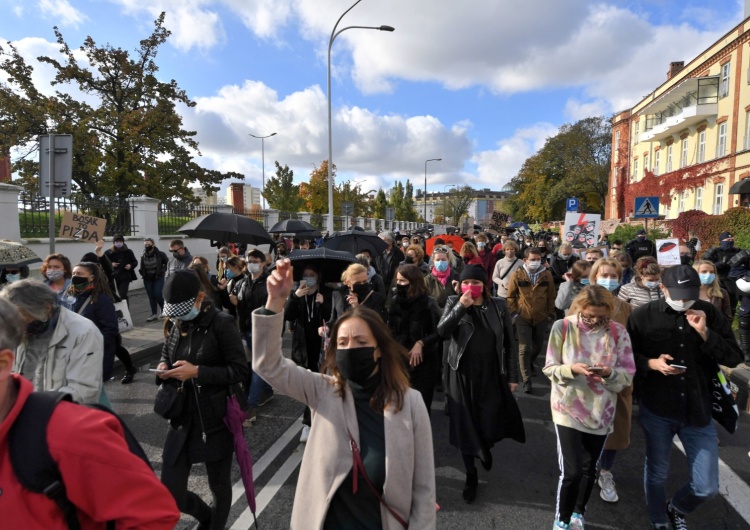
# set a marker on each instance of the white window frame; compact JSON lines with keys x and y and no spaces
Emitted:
{"x":721,"y":140}
{"x":699,"y":198}
{"x":702,"y":146}
{"x":725,"y":79}
{"x":669,"y":158}
{"x":635,"y":171}
{"x":617,"y":146}
{"x":684,"y":153}
{"x":746,"y":144}
{"x":645,"y":164}
{"x":657,"y":160}
{"x":718,"y":198}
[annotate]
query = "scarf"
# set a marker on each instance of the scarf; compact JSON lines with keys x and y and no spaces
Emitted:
{"x":442,"y":276}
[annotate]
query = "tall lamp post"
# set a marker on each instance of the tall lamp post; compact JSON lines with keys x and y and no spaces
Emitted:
{"x":425,"y":186}
{"x":335,"y":34}
{"x":263,"y":163}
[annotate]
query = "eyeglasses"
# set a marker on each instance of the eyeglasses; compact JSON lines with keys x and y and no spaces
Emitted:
{"x":443,"y":250}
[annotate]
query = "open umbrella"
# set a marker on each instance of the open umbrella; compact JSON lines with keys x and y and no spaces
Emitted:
{"x":330,"y":263}
{"x":227,"y":228}
{"x":457,"y":241}
{"x":233,"y":420}
{"x":740,"y":187}
{"x":355,"y":241}
{"x":16,"y":254}
{"x":295,"y":226}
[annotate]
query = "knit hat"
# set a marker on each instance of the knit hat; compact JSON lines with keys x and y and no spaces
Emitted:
{"x":90,"y":257}
{"x":180,"y":291}
{"x":473,"y":272}
{"x":725,"y":235}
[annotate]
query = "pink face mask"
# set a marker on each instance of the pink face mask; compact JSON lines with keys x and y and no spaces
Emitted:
{"x":475,"y":290}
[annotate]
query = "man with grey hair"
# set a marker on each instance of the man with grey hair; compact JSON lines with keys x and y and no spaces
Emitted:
{"x":129,"y":497}
{"x":388,"y":261}
{"x":60,"y":350}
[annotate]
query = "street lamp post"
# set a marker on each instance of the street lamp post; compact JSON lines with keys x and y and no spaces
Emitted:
{"x":263,"y":163}
{"x":425,"y":186}
{"x":335,"y":34}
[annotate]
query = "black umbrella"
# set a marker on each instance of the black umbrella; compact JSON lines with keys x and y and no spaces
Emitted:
{"x":227,"y":228}
{"x":330,"y":263}
{"x":355,"y":241}
{"x":741,"y":186}
{"x":294,"y":226}
{"x":16,"y":255}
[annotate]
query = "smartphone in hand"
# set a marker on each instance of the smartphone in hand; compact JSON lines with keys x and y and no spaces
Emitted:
{"x":596,"y":368}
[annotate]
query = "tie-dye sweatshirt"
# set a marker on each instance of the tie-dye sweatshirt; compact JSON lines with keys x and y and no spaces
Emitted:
{"x":577,"y":401}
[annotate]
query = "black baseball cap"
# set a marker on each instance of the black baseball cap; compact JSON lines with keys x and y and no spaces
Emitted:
{"x":682,"y":282}
{"x":641,"y":232}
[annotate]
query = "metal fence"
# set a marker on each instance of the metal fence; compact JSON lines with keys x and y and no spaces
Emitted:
{"x":33,"y":213}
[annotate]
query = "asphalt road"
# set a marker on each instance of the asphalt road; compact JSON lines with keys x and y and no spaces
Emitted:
{"x":518,"y":493}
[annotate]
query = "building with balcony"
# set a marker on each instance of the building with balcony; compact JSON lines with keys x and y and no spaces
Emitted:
{"x":691,"y":133}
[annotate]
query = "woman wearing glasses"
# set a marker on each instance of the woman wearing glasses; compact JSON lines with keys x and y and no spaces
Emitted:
{"x":356,"y":291}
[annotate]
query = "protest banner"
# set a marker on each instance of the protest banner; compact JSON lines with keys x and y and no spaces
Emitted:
{"x":81,"y":226}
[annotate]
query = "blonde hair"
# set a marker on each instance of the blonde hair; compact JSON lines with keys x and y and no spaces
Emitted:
{"x":352,"y":270}
{"x":714,"y":289}
{"x":468,"y":248}
{"x":598,"y":264}
{"x":418,"y":252}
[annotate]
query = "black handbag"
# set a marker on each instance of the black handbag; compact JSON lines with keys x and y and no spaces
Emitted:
{"x":170,"y":400}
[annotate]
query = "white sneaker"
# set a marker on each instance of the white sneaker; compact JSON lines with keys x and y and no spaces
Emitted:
{"x":607,"y":484}
{"x":305,"y":434}
{"x":152,"y":318}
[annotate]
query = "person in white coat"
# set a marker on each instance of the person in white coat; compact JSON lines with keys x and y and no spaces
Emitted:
{"x":362,"y":406}
{"x":61,"y":350}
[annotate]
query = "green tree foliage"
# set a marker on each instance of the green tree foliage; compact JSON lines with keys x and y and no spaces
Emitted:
{"x":573,"y":163}
{"x":455,"y":206}
{"x":281,"y":192}
{"x":402,"y":201}
{"x":351,"y":192}
{"x":381,"y":203}
{"x":127,"y":135}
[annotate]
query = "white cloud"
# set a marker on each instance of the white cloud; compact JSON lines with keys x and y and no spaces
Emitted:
{"x":576,"y":110}
{"x":495,"y":168}
{"x":61,"y":12}
{"x":366,"y":145}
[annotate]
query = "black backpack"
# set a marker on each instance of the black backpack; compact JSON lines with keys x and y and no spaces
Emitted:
{"x":29,"y":453}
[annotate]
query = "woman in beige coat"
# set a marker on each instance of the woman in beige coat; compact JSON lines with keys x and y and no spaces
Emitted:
{"x":364,"y":403}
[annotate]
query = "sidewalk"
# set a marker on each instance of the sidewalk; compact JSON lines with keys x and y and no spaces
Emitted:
{"x":146,"y":338}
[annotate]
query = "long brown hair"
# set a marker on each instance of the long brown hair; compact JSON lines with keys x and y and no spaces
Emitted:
{"x":394,"y":380}
{"x":417,"y":285}
{"x":99,"y":281}
{"x":67,"y":268}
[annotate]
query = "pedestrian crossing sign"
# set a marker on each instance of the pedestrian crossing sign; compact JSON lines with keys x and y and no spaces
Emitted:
{"x":646,"y":208}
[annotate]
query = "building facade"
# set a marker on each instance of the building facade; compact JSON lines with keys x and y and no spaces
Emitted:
{"x":689,"y":140}
{"x":243,"y":196}
{"x":485,"y":202}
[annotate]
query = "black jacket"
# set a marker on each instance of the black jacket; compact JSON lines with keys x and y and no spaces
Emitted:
{"x":637,"y":249}
{"x":655,"y":329}
{"x":387,"y":263}
{"x":306,"y":318}
{"x":558,"y":267}
{"x":161,"y":264}
{"x":721,"y":258}
{"x":457,"y":326}
{"x":413,"y":320}
{"x":251,"y":294}
{"x":211,"y":342}
{"x":122,"y":257}
{"x":339,"y":305}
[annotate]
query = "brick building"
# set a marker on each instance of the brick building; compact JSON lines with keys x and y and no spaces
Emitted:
{"x":693,"y":131}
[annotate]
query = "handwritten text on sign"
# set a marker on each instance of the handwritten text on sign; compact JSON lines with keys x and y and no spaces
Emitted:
{"x":81,"y":226}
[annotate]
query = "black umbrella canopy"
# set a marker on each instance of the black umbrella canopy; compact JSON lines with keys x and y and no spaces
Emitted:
{"x":16,"y":255}
{"x":227,"y":228}
{"x":330,"y":263}
{"x":355,"y":241}
{"x":740,"y":187}
{"x":293,"y":226}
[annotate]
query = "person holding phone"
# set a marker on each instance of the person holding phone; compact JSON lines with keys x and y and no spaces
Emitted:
{"x":589,"y":360}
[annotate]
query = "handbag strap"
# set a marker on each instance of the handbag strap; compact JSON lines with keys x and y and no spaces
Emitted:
{"x":359,"y":467}
{"x":502,"y":277}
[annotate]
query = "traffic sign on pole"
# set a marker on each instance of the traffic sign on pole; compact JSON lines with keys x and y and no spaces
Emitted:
{"x":646,"y":208}
{"x":57,"y":166}
{"x":571,"y":205}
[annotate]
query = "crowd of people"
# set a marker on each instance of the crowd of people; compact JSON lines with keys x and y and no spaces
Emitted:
{"x":371,"y":348}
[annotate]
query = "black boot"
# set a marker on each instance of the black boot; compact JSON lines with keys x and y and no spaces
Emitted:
{"x":470,"y":488}
{"x":128,"y":377}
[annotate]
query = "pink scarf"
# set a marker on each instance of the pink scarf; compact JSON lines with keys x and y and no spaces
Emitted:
{"x":442,"y":276}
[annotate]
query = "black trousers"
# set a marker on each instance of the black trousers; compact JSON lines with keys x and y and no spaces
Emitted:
{"x":577,"y":455}
{"x":175,"y":478}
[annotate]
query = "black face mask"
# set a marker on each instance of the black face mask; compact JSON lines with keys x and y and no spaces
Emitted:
{"x":37,"y":327}
{"x":176,"y":254}
{"x":402,"y":290}
{"x":408,"y":259}
{"x":149,"y":248}
{"x":361,"y":290}
{"x":686,"y":260}
{"x":79,"y":282}
{"x":356,"y":364}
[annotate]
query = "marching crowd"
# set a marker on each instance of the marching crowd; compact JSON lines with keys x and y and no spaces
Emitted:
{"x":369,"y":350}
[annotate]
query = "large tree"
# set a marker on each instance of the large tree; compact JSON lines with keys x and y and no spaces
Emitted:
{"x":127,"y":134}
{"x":402,"y":201}
{"x":455,"y":205}
{"x":573,"y":163}
{"x":352,"y":192}
{"x":281,"y":191}
{"x":381,"y":203}
{"x":314,"y":193}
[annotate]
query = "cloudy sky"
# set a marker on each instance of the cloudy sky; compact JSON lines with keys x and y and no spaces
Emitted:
{"x":478,"y":83}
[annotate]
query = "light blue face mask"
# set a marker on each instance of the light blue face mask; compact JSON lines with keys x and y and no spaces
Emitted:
{"x":707,"y":279}
{"x":229,"y":274}
{"x":441,"y":266}
{"x":194,"y":312}
{"x":311,"y":281}
{"x":10,"y":278}
{"x":584,"y":281}
{"x":609,"y":284}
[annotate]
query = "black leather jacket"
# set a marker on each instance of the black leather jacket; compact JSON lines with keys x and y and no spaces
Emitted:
{"x":456,"y":325}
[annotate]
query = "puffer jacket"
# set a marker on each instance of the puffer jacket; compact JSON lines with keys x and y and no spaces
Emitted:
{"x":74,"y":358}
{"x":532,"y":303}
{"x":456,"y":325}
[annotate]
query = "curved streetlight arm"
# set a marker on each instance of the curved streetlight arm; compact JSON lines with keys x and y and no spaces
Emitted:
{"x":379,"y":28}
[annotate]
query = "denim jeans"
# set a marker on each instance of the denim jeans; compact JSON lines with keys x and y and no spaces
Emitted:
{"x":257,"y":384}
{"x":702,"y":451}
{"x":154,"y":290}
